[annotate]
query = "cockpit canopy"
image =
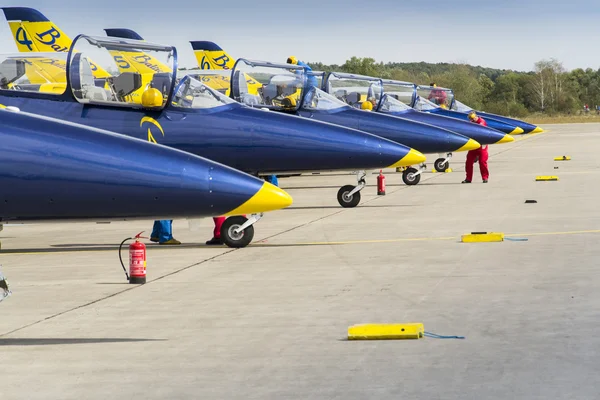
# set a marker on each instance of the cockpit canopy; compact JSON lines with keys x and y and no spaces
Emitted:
{"x":404,"y":92}
{"x":391,"y":104}
{"x":217,"y":79}
{"x":121,"y":72}
{"x":460,"y":107}
{"x":422,"y":104}
{"x":354,"y":90}
{"x":268,"y":85}
{"x":441,"y":97}
{"x":316,"y":99}
{"x":191,"y":92}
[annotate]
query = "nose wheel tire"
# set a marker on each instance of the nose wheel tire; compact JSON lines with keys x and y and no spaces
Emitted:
{"x":346,"y":200}
{"x":234,"y":239}
{"x":410,"y":176}
{"x":440,"y":165}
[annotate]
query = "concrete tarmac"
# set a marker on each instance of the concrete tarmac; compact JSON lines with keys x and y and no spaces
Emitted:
{"x":269,"y":321}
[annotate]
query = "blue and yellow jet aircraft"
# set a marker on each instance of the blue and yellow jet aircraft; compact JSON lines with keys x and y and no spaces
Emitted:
{"x":458,"y":106}
{"x":310,"y":102}
{"x":387,"y":94}
{"x":316,"y":104}
{"x":182,"y":113}
{"x":56,"y":171}
{"x":438,"y":100}
{"x":210,"y":56}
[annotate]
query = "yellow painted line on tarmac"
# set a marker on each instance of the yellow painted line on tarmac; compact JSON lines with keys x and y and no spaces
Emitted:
{"x":344,"y":242}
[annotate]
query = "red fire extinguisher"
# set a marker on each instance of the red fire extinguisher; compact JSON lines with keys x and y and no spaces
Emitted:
{"x":381,"y":184}
{"x":137,"y":260}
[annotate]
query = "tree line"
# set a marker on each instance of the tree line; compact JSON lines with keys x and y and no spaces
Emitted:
{"x":549,"y":89}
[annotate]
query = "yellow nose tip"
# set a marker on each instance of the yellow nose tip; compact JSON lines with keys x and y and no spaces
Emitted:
{"x":470,"y":145}
{"x":537,"y":130}
{"x":268,"y":198}
{"x":413,"y":157}
{"x":517,"y":131}
{"x":506,"y":139}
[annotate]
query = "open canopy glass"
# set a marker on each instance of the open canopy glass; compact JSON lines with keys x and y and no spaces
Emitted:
{"x":439,"y":96}
{"x":353,"y":89}
{"x":192,"y":93}
{"x":460,"y":107}
{"x":268,"y":85}
{"x":316,"y":99}
{"x":121,"y":72}
{"x":405,"y":92}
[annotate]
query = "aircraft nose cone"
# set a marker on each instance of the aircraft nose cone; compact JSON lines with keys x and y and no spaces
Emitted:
{"x":268,"y":198}
{"x":517,"y":131}
{"x":470,"y":145}
{"x":392,"y":154}
{"x":413,"y":157}
{"x":506,"y":139}
{"x":537,"y":130}
{"x":232,"y":192}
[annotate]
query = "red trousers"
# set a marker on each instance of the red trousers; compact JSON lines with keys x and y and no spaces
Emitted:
{"x":482,"y":155}
{"x":218,"y":224}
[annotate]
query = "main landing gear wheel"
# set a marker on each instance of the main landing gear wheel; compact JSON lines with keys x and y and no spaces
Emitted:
{"x":441,"y":165}
{"x":346,"y":199}
{"x":410,"y":176}
{"x":231,"y":234}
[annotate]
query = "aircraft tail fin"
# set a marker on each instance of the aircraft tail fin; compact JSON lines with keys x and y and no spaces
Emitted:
{"x":33,"y":32}
{"x":210,"y":56}
{"x":123,"y":33}
{"x":128,"y":61}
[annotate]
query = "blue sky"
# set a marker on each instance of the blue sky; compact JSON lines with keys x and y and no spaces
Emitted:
{"x":501,"y":34}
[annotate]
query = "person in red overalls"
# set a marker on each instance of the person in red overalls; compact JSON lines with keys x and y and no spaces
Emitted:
{"x":480,"y":154}
{"x":216,"y":239}
{"x":437,"y":96}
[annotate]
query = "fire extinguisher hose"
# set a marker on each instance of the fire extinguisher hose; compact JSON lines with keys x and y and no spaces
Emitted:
{"x":121,"y":258}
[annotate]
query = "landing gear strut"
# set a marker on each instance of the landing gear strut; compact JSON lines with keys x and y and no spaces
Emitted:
{"x":349,"y":196}
{"x":238,"y":231}
{"x":442,"y":163}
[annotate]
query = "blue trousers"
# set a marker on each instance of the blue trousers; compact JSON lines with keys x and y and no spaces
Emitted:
{"x":272,"y":179}
{"x":163,"y":230}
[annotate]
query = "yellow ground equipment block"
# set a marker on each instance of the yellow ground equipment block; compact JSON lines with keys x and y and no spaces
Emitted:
{"x":446,"y":171}
{"x":546,"y":178}
{"x":563,"y":158}
{"x":386,"y":331}
{"x":481,"y":237}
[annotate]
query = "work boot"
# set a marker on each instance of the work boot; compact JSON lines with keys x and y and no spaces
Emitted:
{"x":214,"y":242}
{"x":154,"y":239}
{"x":466,"y":181}
{"x":172,"y":241}
{"x":485,"y":181}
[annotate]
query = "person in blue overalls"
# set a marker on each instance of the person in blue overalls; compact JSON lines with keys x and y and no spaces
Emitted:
{"x":311,"y":79}
{"x":162,"y":232}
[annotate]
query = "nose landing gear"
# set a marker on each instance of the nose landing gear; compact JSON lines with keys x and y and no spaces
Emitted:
{"x":349,"y":196}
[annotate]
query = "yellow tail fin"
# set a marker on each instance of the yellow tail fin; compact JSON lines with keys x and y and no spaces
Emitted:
{"x":34,"y":33}
{"x":210,"y":56}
